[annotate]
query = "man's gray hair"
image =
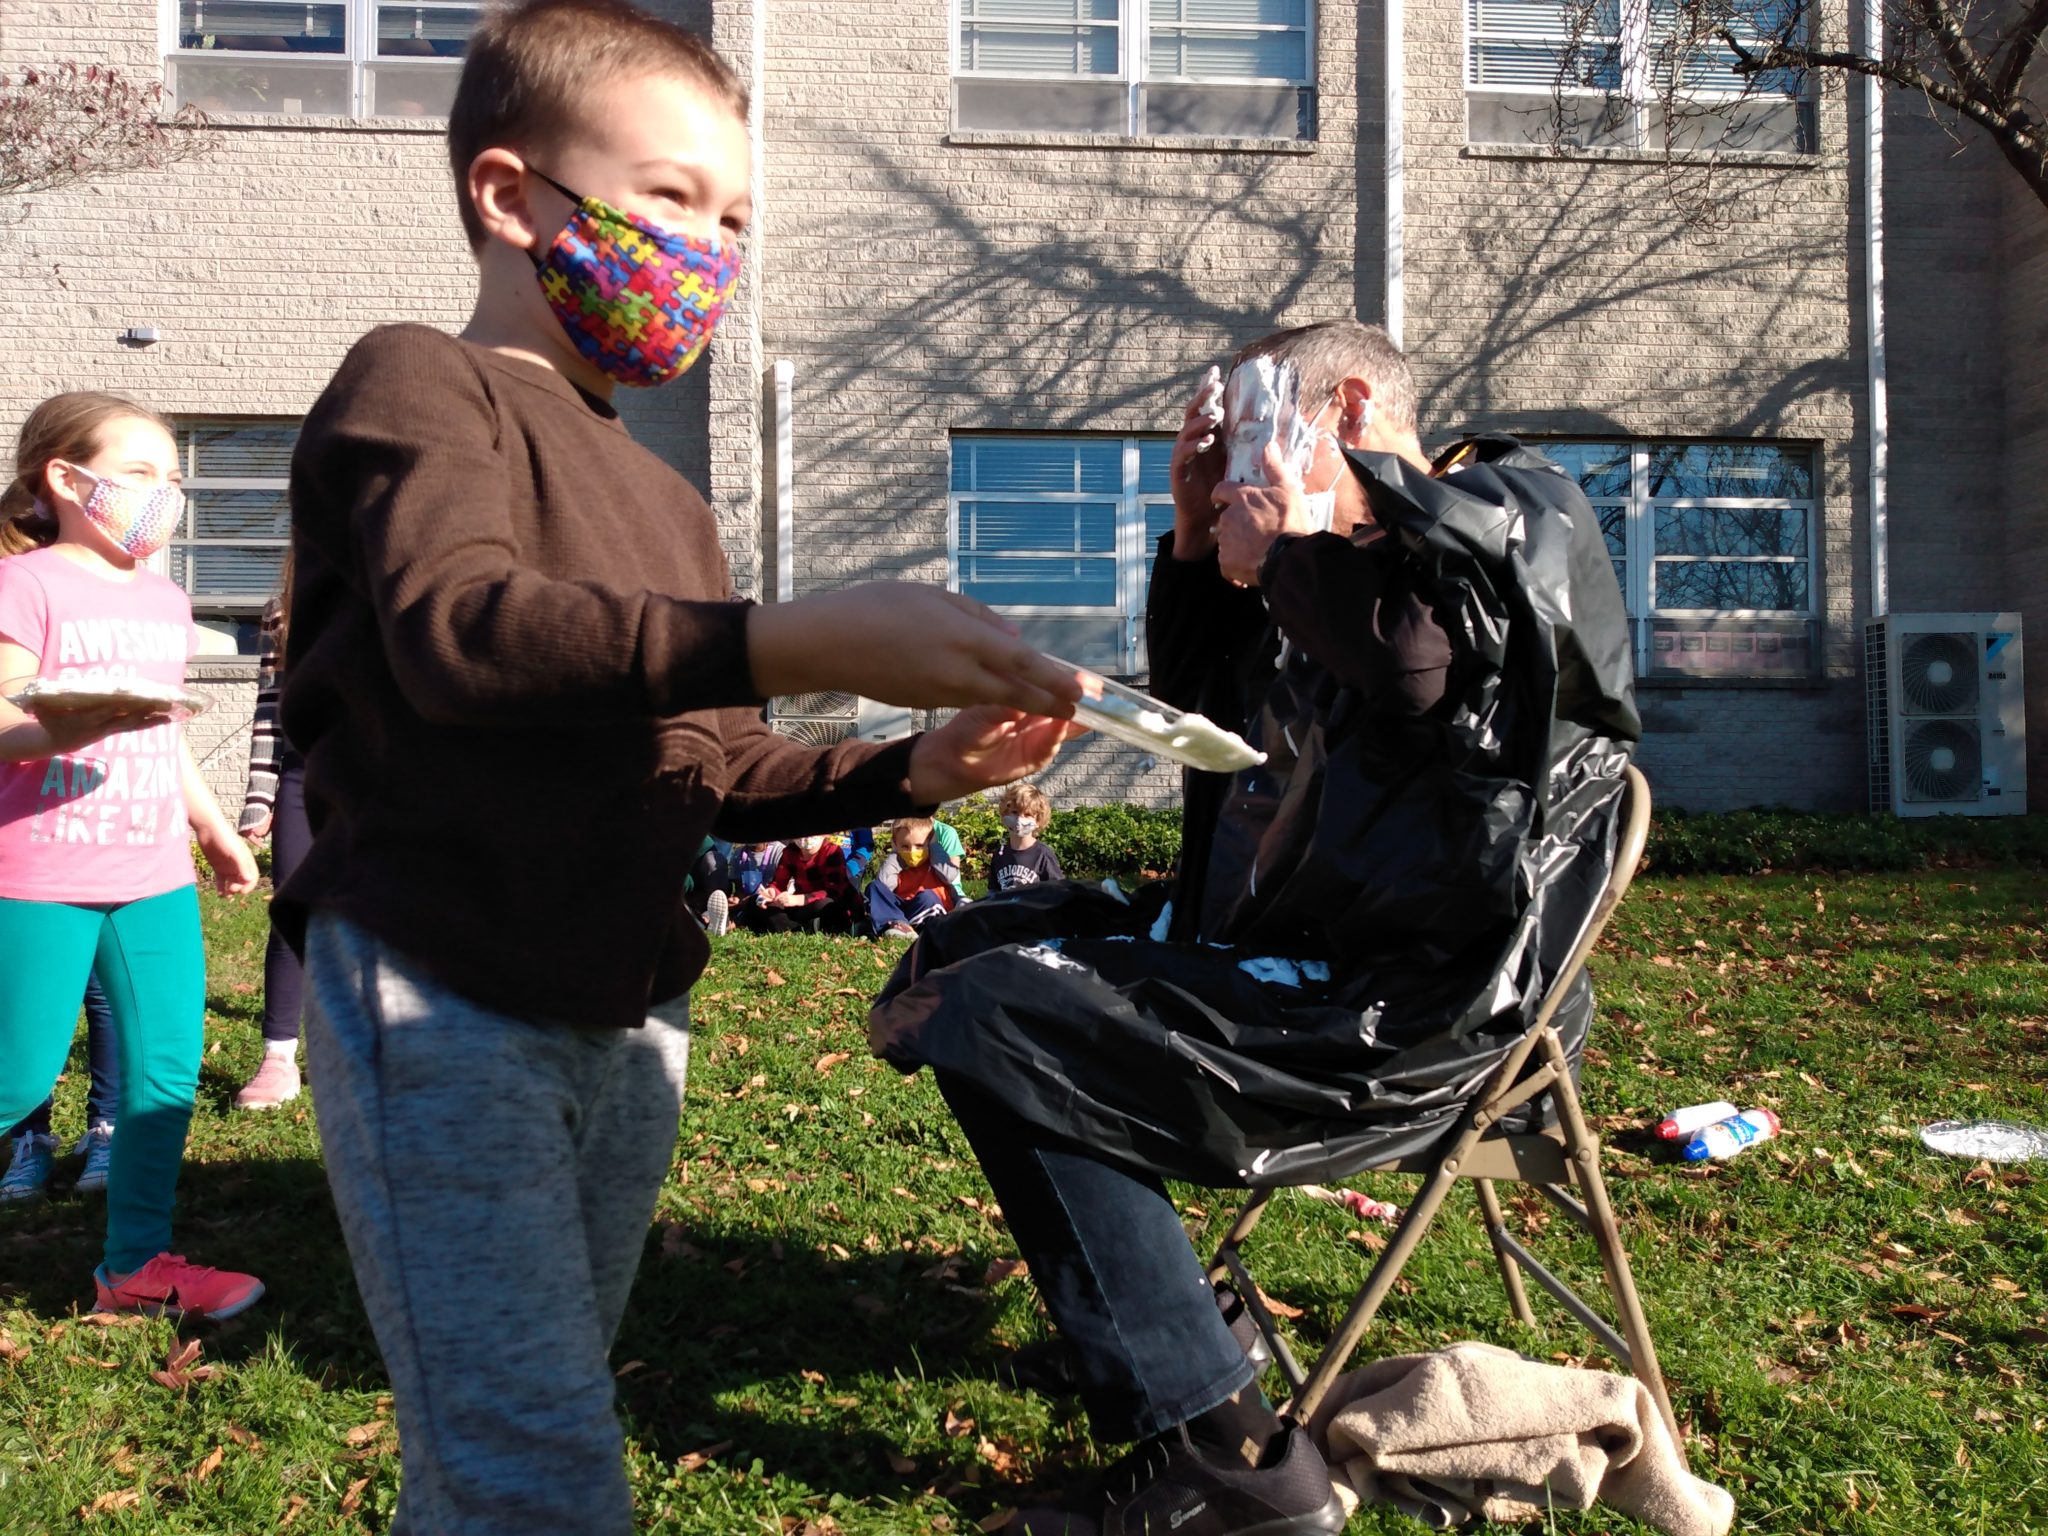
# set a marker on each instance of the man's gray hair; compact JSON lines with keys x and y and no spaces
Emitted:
{"x":1327,"y":353}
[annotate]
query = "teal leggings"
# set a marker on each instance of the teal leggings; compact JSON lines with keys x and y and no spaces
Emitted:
{"x":150,"y":961}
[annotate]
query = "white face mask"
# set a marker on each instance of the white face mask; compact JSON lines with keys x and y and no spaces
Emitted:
{"x":1023,"y":826}
{"x":1322,"y":505}
{"x":810,"y":844}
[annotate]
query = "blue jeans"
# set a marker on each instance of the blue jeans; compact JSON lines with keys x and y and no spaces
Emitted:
{"x":885,"y":907}
{"x":1115,"y":1268}
{"x":102,"y":1051}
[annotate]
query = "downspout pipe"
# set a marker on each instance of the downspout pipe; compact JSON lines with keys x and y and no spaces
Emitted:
{"x":785,"y":482}
{"x":1873,"y":267}
{"x":1397,"y":107}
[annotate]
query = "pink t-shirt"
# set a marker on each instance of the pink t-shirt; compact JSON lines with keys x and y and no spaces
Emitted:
{"x":106,"y":823}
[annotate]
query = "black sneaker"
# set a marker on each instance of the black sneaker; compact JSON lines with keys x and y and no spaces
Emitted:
{"x":1051,"y":1368}
{"x":1167,"y":1488}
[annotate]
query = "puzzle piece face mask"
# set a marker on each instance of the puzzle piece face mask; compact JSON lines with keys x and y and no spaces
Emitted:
{"x":639,"y":302}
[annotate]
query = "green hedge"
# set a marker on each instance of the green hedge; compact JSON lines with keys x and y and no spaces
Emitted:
{"x":1128,"y":841}
{"x":1751,"y":842}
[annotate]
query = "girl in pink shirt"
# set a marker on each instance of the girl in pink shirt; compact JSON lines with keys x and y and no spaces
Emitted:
{"x":97,"y":809}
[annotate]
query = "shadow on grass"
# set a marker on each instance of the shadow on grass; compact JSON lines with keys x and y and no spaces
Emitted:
{"x":717,"y":1338}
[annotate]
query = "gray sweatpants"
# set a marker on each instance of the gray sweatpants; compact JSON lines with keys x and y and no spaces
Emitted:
{"x":495,"y":1178}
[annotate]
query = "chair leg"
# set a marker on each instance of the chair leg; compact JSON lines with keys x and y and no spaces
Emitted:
{"x":1621,"y":1281}
{"x":1240,"y":1229}
{"x":1510,"y":1272}
{"x":1330,"y":1364}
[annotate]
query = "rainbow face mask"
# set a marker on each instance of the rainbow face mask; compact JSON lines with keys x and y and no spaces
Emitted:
{"x":138,"y":518}
{"x":640,"y":302}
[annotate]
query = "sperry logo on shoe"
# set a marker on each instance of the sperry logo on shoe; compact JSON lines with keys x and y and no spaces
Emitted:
{"x":1181,"y":1517}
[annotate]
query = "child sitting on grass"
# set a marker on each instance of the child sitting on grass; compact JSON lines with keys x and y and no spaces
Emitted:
{"x":1023,"y":859}
{"x":912,"y":887}
{"x":810,"y":892}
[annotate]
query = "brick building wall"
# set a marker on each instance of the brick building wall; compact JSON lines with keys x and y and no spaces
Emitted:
{"x":2023,"y":254}
{"x":1569,"y":295}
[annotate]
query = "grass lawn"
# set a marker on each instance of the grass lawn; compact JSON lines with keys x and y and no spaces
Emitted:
{"x":1856,"y":1331}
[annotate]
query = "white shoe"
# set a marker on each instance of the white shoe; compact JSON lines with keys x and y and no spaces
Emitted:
{"x":98,"y":1146}
{"x":717,"y":914}
{"x":28,"y":1172}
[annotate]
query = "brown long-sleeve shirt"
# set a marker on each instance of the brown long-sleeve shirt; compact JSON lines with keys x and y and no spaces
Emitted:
{"x":521,"y":686}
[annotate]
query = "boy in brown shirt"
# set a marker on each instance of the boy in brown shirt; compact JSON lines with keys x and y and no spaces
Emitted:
{"x":525,"y":695}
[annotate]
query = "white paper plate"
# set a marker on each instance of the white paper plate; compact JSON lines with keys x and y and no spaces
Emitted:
{"x":1139,"y":720}
{"x":52,"y":695}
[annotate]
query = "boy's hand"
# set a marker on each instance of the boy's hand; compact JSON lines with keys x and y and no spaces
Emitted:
{"x":902,"y":644}
{"x":981,"y":748}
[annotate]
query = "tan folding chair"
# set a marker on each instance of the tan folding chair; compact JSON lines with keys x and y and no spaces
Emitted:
{"x":1475,"y":1149}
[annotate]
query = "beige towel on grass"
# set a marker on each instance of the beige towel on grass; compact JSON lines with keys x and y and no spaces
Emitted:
{"x":1475,"y":1432}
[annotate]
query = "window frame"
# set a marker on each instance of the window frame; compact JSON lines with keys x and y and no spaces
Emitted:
{"x":1637,"y":96}
{"x":185,"y":433}
{"x":1132,"y":554}
{"x":1134,"y":27}
{"x":358,"y":53}
{"x":1640,"y":556}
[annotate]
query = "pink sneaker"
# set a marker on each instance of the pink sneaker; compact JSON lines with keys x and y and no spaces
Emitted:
{"x":276,"y":1082}
{"x":167,"y":1284}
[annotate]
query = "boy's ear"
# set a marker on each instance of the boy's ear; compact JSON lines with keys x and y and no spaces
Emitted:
{"x":498,"y":189}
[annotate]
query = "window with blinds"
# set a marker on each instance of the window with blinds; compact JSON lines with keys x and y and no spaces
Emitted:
{"x":328,"y":58}
{"x":229,"y":552}
{"x":1224,"y":68}
{"x":1638,"y":74}
{"x":1714,"y":545}
{"x":1058,"y":533}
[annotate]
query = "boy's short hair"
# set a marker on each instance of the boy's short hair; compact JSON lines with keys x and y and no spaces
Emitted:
{"x":922,"y":824}
{"x":532,"y":66}
{"x":1027,"y":800}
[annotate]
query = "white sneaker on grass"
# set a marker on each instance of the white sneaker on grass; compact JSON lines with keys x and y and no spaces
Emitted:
{"x":717,"y":914}
{"x":28,"y":1171}
{"x":98,"y":1146}
{"x":276,"y":1081}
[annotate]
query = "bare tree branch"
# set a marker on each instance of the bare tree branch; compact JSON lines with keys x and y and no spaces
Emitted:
{"x":67,"y":122}
{"x":2021,"y":50}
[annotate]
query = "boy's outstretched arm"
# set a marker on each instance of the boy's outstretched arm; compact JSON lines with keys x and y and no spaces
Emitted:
{"x":779,"y":788}
{"x":399,"y":485}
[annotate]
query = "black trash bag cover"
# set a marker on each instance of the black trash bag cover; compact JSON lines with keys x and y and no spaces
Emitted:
{"x":1433,"y":878}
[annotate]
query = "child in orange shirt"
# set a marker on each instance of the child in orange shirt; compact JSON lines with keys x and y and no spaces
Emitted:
{"x":911,"y":888}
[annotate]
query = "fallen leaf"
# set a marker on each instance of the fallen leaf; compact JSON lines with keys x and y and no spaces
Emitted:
{"x":628,"y":1369}
{"x":2000,"y":1283}
{"x":242,"y":1437}
{"x":363,"y":1434}
{"x":107,"y":1503}
{"x":956,"y":1427}
{"x":816,"y":1378}
{"x":1921,"y":1314}
{"x":901,"y":1464}
{"x":1280,"y":1308}
{"x":292,"y":1507}
{"x":9,"y":1350}
{"x":1000,"y":1270}
{"x":824,"y":1064}
{"x":115,"y":1319}
{"x":353,"y":1498}
{"x":696,"y":1459}
{"x":774,"y":978}
{"x":210,"y":1465}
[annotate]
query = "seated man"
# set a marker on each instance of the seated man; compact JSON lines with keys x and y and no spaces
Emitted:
{"x":1436,"y":662}
{"x":916,"y":882}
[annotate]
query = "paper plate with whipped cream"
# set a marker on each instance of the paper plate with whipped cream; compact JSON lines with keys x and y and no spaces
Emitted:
{"x":41,"y":696}
{"x":1139,"y":720}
